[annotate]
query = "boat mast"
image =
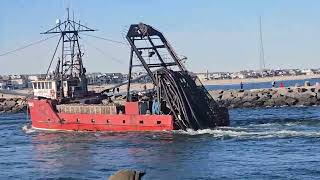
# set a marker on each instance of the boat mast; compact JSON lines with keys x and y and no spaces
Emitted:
{"x":70,"y":62}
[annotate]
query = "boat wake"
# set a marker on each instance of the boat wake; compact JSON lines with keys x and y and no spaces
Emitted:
{"x":28,"y":129}
{"x":312,"y":123}
{"x":249,"y":133}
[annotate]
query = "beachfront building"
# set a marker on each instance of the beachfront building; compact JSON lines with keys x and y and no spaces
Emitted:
{"x":33,"y":78}
{"x":3,"y":85}
{"x":213,"y":75}
{"x":93,"y":78}
{"x":105,"y":78}
{"x":18,"y":83}
{"x":308,"y":72}
{"x":203,"y":76}
{"x":216,"y":76}
{"x":239,"y":75}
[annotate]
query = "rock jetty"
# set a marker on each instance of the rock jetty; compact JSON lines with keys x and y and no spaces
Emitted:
{"x":293,"y":96}
{"x":12,"y":105}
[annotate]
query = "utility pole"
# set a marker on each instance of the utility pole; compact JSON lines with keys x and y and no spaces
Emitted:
{"x":262,"y":61}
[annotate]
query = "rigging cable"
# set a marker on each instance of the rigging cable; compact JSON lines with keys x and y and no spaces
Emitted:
{"x":55,"y":51}
{"x":28,"y":45}
{"x":103,"y":52}
{"x":102,"y":38}
{"x":123,"y":35}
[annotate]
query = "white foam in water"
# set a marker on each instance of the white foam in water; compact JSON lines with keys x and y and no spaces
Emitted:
{"x":292,"y":123}
{"x":290,"y":133}
{"x":251,"y":134}
{"x":232,"y":128}
{"x":214,"y":132}
{"x":275,"y":124}
{"x":264,"y":125}
{"x":28,"y":129}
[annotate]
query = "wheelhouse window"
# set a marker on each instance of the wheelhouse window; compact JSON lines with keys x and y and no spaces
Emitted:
{"x":50,"y":85}
{"x":42,"y":85}
{"x":35,"y":85}
{"x":39,"y":85}
{"x":47,"y":85}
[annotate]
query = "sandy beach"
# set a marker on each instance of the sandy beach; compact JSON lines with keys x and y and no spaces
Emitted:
{"x":140,"y":86}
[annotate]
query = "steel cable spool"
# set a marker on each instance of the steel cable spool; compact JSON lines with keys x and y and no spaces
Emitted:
{"x":184,"y":99}
{"x":173,"y":97}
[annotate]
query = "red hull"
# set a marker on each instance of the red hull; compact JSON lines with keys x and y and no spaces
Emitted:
{"x":44,"y":116}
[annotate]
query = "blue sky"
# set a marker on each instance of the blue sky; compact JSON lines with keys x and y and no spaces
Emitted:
{"x":215,"y":35}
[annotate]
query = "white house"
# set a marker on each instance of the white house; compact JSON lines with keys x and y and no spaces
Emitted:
{"x":19,"y":83}
{"x":3,"y":84}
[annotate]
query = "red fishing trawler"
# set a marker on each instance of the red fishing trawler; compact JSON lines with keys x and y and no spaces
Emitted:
{"x":178,"y":100}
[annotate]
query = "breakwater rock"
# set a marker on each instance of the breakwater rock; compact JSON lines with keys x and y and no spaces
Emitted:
{"x":12,"y":105}
{"x":294,"y":96}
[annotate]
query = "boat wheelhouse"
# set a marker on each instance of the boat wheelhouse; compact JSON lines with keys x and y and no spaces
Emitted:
{"x":45,"y":88}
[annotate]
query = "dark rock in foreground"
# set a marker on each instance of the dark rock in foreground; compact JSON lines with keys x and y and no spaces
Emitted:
{"x":127,"y":175}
